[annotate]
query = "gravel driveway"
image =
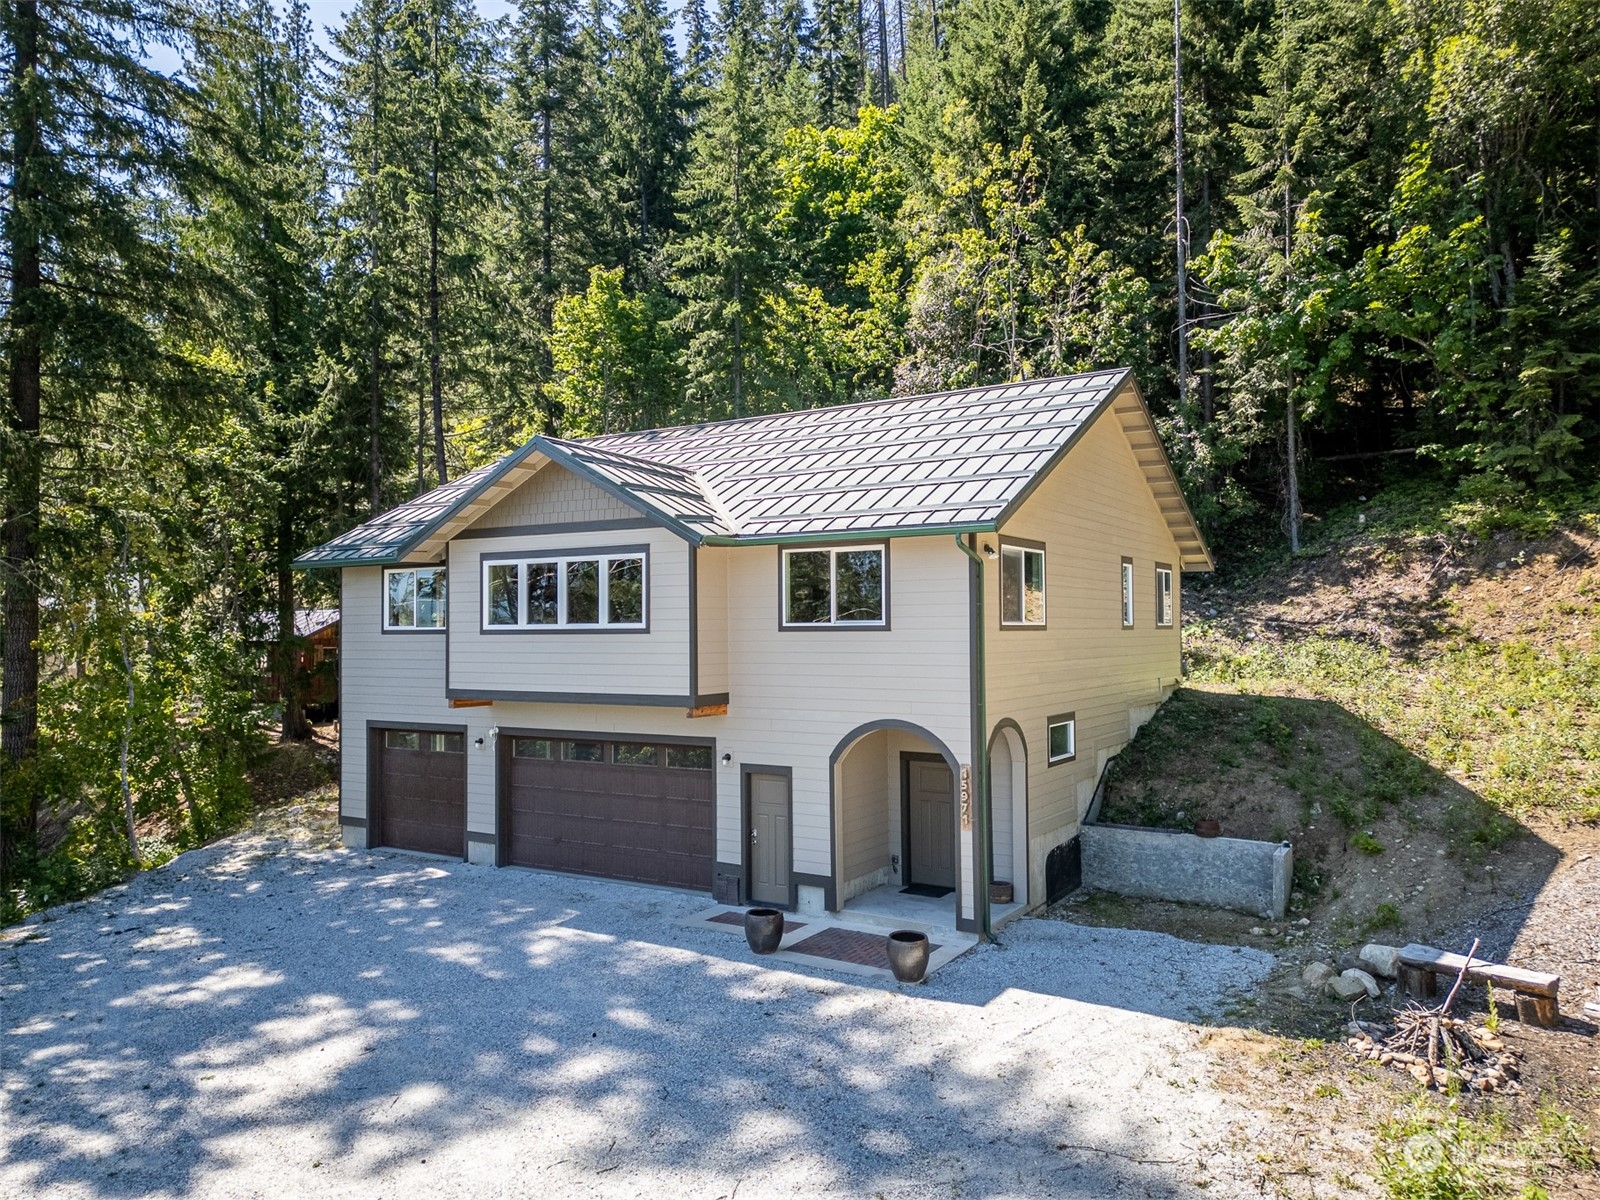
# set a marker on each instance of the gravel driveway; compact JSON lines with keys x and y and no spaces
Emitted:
{"x":257,"y":1019}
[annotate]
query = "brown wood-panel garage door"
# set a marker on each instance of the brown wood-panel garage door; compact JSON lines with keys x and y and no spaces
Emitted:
{"x":634,"y":810}
{"x":422,"y":791}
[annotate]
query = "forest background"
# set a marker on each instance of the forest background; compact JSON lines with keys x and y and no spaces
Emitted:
{"x":256,"y":298}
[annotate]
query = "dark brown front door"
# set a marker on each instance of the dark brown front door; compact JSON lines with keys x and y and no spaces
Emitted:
{"x":930,"y":821}
{"x":633,"y":810}
{"x":421,"y":800}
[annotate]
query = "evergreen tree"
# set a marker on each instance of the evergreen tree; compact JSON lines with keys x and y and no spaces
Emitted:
{"x":834,"y":58}
{"x":442,"y":57}
{"x":643,"y":105}
{"x":371,"y":157}
{"x":723,"y":262}
{"x":92,"y":136}
{"x":259,"y":221}
{"x":550,"y":131}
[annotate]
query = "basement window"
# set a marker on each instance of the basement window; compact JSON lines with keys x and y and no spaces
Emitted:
{"x":1062,"y":738}
{"x":414,"y":598}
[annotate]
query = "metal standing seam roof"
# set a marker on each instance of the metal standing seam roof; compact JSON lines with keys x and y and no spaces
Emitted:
{"x":947,"y":461}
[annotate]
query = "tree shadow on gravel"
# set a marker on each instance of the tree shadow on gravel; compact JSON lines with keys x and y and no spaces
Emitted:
{"x":302,"y":1024}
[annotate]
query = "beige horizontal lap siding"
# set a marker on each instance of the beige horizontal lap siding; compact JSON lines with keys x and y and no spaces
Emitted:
{"x":653,"y":662}
{"x":712,"y":600}
{"x":796,"y":693}
{"x":397,"y":679}
{"x":1093,"y":510}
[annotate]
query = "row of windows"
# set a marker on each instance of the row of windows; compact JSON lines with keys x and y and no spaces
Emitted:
{"x":622,"y":754}
{"x":843,"y":587}
{"x":601,"y":592}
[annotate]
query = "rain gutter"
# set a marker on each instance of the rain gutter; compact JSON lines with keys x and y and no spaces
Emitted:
{"x":980,"y":745}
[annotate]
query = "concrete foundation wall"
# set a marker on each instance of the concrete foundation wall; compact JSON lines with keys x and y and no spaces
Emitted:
{"x":1161,"y":864}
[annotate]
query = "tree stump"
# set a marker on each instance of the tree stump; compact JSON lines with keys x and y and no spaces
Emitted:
{"x":1417,"y":982}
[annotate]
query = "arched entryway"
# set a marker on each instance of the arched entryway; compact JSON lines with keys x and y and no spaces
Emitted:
{"x":1008,"y":807}
{"x":897,"y":844}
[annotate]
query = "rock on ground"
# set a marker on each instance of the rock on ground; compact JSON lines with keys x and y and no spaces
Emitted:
{"x":1380,"y":960}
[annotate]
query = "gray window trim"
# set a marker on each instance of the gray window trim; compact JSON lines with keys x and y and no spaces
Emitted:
{"x":1049,"y":724}
{"x":1016,"y":543}
{"x":383,"y":600}
{"x":1172,"y":610}
{"x":548,"y":555}
{"x":832,"y":548}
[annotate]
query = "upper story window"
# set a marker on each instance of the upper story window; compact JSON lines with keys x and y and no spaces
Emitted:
{"x":414,"y":598}
{"x":1021,"y":584}
{"x":846,"y":586}
{"x":1163,"y":595}
{"x":579,"y":591}
{"x":1127,"y":593}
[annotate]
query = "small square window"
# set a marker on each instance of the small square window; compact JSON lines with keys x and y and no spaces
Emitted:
{"x":1063,"y":738}
{"x":583,"y":751}
{"x":402,"y":739}
{"x":1163,"y":595}
{"x":531,"y":748}
{"x":446,"y":743}
{"x":414,"y":598}
{"x":1127,"y":593}
{"x":1021,"y":585}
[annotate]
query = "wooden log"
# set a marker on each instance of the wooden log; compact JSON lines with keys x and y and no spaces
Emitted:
{"x":1537,"y":1010}
{"x":1417,"y":982}
{"x":1536,"y":983}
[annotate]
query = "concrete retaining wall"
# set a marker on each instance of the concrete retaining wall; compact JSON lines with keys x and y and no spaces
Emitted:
{"x":1162,"y":864}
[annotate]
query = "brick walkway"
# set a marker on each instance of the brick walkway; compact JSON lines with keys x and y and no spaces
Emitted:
{"x":734,"y":918}
{"x":847,"y":945}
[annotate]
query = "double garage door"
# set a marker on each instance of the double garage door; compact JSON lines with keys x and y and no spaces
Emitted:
{"x":622,"y":809}
{"x":634,"y":810}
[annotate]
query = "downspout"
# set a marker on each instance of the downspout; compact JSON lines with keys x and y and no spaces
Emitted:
{"x":980,"y":748}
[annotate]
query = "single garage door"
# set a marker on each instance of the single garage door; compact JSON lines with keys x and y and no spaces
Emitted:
{"x":422,"y":792}
{"x":635,"y":810}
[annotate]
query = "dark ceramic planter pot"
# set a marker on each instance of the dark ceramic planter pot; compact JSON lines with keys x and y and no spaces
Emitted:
{"x":1001,"y":892}
{"x":763,"y":929}
{"x":1208,"y":829}
{"x":908,"y":955}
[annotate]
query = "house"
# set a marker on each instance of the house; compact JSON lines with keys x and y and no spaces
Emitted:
{"x":316,"y":659}
{"x":795,"y":659}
